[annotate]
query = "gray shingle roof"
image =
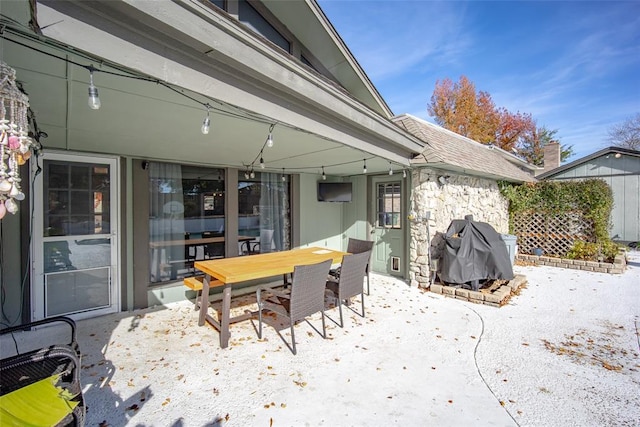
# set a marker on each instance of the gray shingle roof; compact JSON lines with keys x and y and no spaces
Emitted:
{"x":448,"y":150}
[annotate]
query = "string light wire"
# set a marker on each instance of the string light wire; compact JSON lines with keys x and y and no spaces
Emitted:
{"x":243,"y":114}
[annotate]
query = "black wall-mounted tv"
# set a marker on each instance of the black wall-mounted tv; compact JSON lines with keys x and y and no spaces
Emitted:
{"x":334,"y":191}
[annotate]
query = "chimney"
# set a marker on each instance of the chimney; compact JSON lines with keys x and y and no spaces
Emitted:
{"x":551,"y":156}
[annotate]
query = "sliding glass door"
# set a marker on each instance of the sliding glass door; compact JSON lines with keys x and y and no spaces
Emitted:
{"x":186,"y":219}
{"x":264,"y":213}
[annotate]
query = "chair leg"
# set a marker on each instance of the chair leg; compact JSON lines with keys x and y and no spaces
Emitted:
{"x":259,"y":321}
{"x":324,"y":329}
{"x":339,"y":301}
{"x":293,"y":339}
{"x":362,"y":299}
{"x":368,"y":290}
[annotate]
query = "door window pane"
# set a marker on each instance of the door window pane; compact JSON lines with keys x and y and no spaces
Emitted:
{"x":389,"y":205}
{"x":76,"y":254}
{"x":77,"y":199}
{"x":80,"y":179}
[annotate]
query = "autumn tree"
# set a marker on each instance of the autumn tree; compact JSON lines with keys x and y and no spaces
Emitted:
{"x":626,"y":134}
{"x":461,"y":109}
{"x":513,"y":128}
{"x":457,"y":107}
{"x":532,"y":146}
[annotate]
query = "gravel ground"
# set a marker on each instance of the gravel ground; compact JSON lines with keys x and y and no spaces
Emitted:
{"x":565,"y":351}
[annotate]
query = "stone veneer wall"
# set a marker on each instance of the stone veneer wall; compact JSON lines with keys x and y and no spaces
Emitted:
{"x":462,"y":195}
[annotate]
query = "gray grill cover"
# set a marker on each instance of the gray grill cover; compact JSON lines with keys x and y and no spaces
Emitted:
{"x":477,"y":253}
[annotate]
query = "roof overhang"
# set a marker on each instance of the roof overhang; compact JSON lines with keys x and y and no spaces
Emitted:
{"x":191,"y":46}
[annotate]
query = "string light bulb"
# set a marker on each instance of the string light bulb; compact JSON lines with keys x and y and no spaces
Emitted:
{"x":261,"y":163}
{"x":94,"y":99}
{"x":206,"y":123}
{"x":270,"y":140}
{"x":364,"y":168}
{"x":390,"y":169}
{"x":324,"y":177}
{"x":284,"y":178}
{"x":252,"y":174}
{"x":404,"y":173}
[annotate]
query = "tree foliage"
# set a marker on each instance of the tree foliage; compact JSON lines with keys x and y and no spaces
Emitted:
{"x":459,"y":107}
{"x":532,"y":146}
{"x":627,"y":133}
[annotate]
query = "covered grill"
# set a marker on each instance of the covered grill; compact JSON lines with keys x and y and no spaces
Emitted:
{"x":473,"y":252}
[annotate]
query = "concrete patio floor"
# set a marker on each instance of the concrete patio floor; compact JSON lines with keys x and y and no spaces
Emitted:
{"x":565,"y":351}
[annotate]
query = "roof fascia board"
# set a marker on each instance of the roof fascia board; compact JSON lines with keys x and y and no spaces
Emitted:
{"x":445,"y":167}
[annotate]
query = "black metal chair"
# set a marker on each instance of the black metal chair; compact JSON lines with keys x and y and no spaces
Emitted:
{"x":27,"y":368}
{"x":303,"y":298}
{"x":350,"y":283}
{"x":263,"y":245}
{"x":213,"y":250}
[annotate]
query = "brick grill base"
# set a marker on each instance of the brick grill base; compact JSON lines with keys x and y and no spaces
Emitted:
{"x":496,"y":297}
{"x":500,"y":296}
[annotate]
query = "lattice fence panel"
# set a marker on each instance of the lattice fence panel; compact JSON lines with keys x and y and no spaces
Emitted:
{"x":554,"y":235}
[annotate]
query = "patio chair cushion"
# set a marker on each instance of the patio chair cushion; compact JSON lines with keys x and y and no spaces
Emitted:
{"x":58,"y":360}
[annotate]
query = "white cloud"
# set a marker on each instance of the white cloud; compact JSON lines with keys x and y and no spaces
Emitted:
{"x":390,"y":40}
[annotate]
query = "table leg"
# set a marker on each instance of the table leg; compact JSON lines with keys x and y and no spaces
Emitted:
{"x":204,"y":300}
{"x":226,"y":312}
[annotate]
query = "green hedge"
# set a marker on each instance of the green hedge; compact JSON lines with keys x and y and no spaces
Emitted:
{"x":593,"y":198}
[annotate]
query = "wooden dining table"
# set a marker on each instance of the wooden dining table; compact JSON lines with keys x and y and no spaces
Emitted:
{"x":227,"y":272}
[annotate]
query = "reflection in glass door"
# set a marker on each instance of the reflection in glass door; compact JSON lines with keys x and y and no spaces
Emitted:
{"x":75,"y":263}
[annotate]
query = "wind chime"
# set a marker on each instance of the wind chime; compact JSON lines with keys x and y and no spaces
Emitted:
{"x":15,"y":143}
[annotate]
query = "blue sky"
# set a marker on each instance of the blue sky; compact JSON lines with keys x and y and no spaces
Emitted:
{"x":574,"y":65}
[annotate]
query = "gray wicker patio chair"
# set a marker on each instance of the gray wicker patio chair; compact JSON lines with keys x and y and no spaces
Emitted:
{"x":352,"y":272}
{"x":26,"y":368}
{"x":303,"y":298}
{"x":356,"y":246}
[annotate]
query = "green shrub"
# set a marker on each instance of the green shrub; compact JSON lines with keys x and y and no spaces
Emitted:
{"x":587,"y":251}
{"x":610,"y":250}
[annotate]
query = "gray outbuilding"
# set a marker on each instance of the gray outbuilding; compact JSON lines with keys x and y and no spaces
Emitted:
{"x":620,"y":168}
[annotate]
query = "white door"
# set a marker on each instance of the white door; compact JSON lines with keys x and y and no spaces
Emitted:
{"x":75,"y":240}
{"x":388,"y":233}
